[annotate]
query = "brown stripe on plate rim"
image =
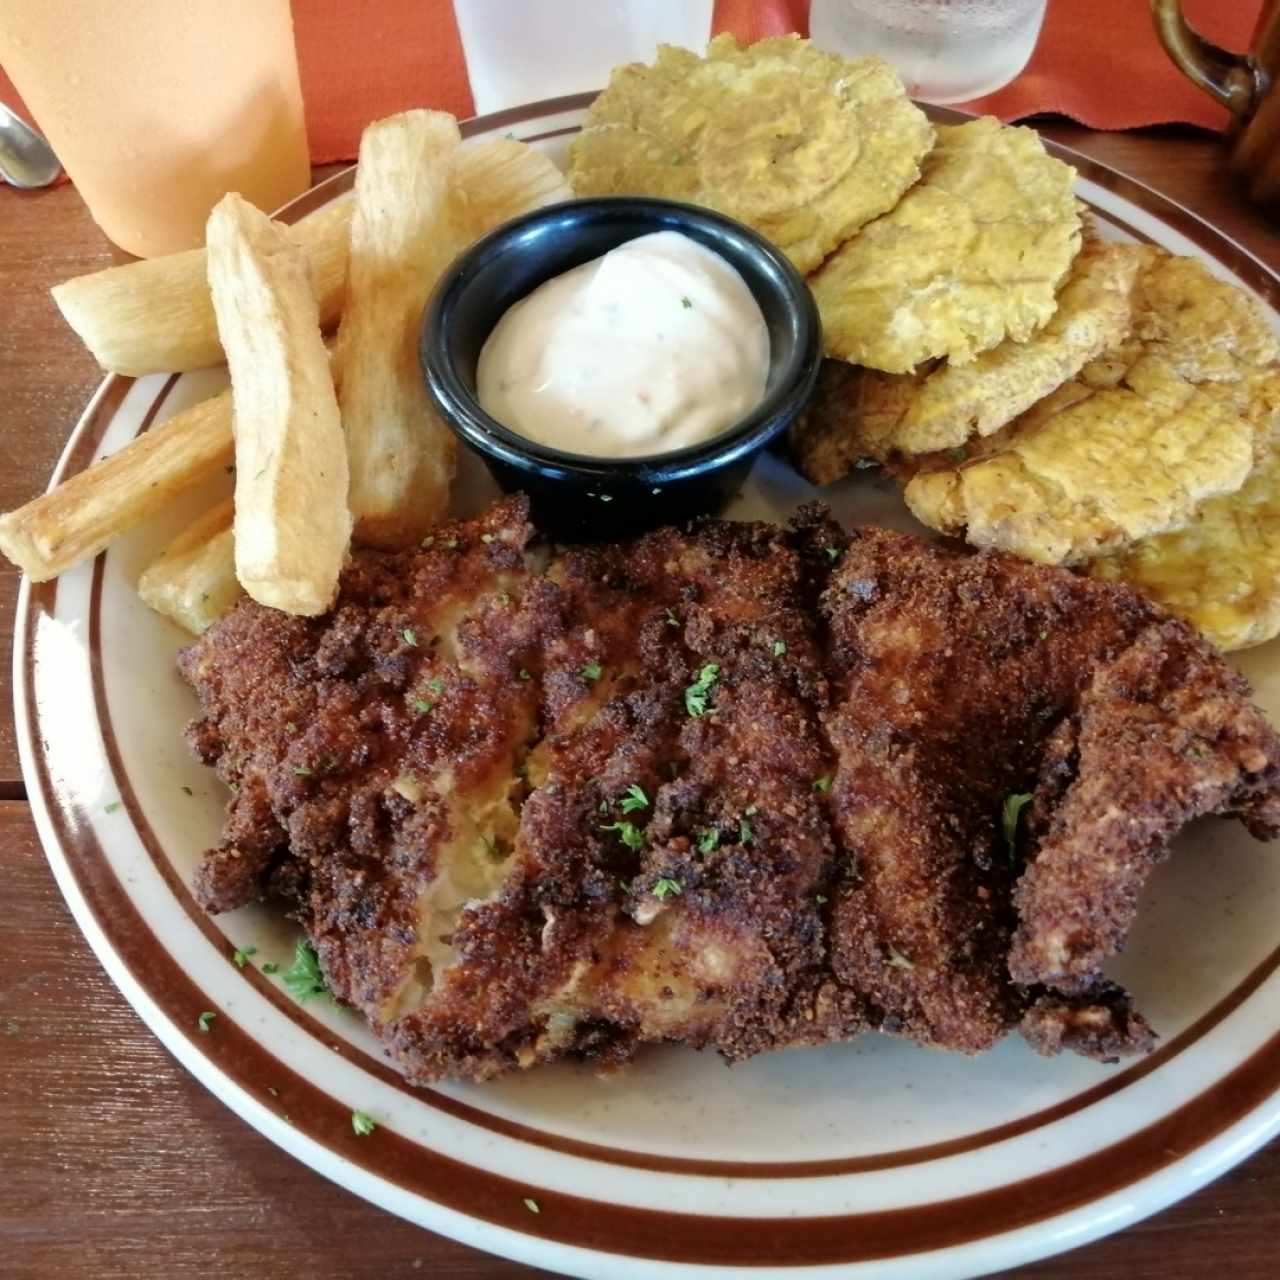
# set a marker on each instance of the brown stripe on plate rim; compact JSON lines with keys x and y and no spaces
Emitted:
{"x":820,"y":1240}
{"x":621,"y":1229}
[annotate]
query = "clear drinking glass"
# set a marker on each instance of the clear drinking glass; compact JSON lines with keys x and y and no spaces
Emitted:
{"x":158,"y":108}
{"x":522,"y":50}
{"x":945,"y":50}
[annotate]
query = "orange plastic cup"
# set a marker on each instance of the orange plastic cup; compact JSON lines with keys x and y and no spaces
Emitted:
{"x":157,"y":108}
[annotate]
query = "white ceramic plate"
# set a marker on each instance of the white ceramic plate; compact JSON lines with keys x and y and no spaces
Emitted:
{"x":870,"y":1159}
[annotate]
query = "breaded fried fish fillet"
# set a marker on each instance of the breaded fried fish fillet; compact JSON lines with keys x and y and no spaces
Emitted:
{"x":737,"y":786}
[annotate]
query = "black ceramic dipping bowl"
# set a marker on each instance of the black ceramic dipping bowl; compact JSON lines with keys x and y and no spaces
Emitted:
{"x":576,"y":497}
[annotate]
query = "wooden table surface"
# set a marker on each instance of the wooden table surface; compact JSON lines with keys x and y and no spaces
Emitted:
{"x":117,"y":1163}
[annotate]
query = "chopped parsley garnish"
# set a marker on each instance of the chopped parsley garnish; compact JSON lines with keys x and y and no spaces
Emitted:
{"x":435,"y":685}
{"x":270,"y":968}
{"x":746,"y":832}
{"x":303,"y":977}
{"x":428,"y":540}
{"x":205,"y":1020}
{"x":823,"y":784}
{"x":241,"y":955}
{"x":452,"y":543}
{"x":486,"y":538}
{"x":302,"y":771}
{"x":504,"y":597}
{"x":671,"y":619}
{"x":531,"y":1204}
{"x":833,"y":553}
{"x":592,"y":671}
{"x":361,"y":1124}
{"x":779,"y":648}
{"x":1010,"y":816}
{"x":292,"y":728}
{"x":686,"y":303}
{"x":898,"y":961}
{"x":666,"y":887}
{"x":634,"y":799}
{"x":422,"y":706}
{"x":708,"y":840}
{"x":821,"y":899}
{"x":695,"y":696}
{"x":186,"y":790}
{"x":628,"y":833}
{"x":112,"y":807}
{"x":410,"y":637}
{"x":524,"y":675}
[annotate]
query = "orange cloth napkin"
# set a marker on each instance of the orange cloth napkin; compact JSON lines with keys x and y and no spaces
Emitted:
{"x":1098,"y":61}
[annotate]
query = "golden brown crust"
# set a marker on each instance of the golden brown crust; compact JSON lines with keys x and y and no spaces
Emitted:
{"x":735,"y":787}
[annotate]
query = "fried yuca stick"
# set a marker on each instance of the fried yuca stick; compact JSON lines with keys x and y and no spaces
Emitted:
{"x":82,"y":515}
{"x":401,"y":455}
{"x":491,"y":182}
{"x":156,"y":316}
{"x":291,"y":524}
{"x":193,"y":581}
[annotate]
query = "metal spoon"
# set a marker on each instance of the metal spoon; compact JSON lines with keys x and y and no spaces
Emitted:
{"x":26,"y":159}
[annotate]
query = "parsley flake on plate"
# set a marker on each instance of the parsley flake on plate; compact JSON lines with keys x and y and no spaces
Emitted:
{"x":746,"y":832}
{"x":898,"y":961}
{"x":634,"y":799}
{"x":111,"y":807}
{"x":695,"y":696}
{"x":410,"y":637}
{"x":591,"y":671}
{"x":823,"y":784}
{"x":666,"y":887}
{"x":1010,"y":815}
{"x":205,"y":1020}
{"x":302,"y":771}
{"x":270,"y":968}
{"x":532,"y":1205}
{"x":361,"y":1124}
{"x":241,"y":955}
{"x":708,"y":840}
{"x":303,"y":976}
{"x":779,"y":648}
{"x":628,"y":833}
{"x":186,"y":790}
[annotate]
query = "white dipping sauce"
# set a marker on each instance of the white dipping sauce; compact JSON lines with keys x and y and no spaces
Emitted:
{"x":655,"y":346}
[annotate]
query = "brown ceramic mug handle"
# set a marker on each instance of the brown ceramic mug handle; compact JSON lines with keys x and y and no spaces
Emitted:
{"x":1228,"y":77}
